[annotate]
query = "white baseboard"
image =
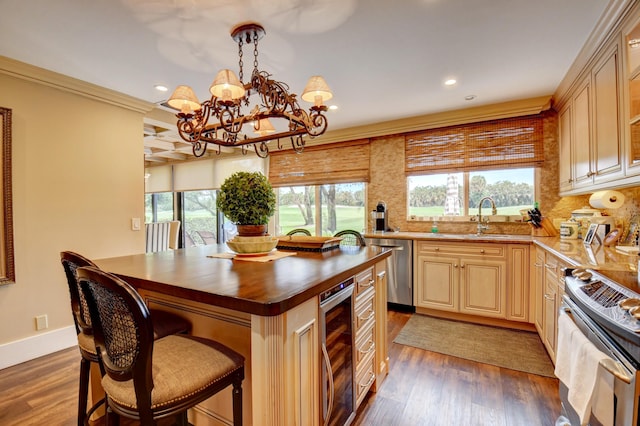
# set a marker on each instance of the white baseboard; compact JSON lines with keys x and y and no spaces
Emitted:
{"x":19,"y":351}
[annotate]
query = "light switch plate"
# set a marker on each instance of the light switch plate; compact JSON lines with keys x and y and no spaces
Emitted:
{"x":42,"y":322}
{"x":135,"y":223}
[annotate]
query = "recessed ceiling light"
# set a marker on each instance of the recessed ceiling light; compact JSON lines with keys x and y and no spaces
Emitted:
{"x":161,"y":88}
{"x":333,"y":107}
{"x":469,"y":98}
{"x":450,"y":82}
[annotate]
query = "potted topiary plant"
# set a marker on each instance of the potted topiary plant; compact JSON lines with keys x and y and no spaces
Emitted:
{"x":247,"y":199}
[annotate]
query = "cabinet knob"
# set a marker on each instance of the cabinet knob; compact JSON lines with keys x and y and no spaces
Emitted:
{"x":455,"y":265}
{"x":462,"y":265}
{"x":481,"y":250}
{"x":437,"y":249}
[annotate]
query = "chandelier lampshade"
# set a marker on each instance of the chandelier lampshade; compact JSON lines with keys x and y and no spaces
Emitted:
{"x":227,"y":86}
{"x":317,"y":91}
{"x":222,"y":121}
{"x":184,"y":99}
{"x":263,"y":127}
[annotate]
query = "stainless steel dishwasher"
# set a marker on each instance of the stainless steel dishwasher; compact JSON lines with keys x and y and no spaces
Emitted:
{"x":399,"y":270}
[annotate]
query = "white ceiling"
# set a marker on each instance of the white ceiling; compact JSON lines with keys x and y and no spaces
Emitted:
{"x":383,"y":59}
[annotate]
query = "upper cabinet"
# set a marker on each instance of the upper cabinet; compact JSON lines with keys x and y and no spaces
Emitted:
{"x":632,"y":48}
{"x":590,"y":145}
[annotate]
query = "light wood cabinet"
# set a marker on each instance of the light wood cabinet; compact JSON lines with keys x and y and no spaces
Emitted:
{"x":479,"y":279}
{"x":632,"y":91}
{"x":382,"y":350}
{"x":370,"y":308}
{"x":565,"y":130}
{"x":538,"y":283}
{"x":591,"y":143}
{"x":518,"y":278}
{"x":365,"y":336}
{"x":483,"y":286}
{"x":607,"y":107}
{"x":549,"y":291}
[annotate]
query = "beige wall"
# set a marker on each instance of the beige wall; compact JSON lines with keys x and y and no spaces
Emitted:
{"x":78,"y":179}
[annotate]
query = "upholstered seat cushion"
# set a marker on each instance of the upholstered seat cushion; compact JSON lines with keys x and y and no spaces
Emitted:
{"x":183,"y":366}
{"x":86,"y":343}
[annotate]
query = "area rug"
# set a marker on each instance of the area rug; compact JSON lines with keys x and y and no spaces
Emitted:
{"x":513,"y":349}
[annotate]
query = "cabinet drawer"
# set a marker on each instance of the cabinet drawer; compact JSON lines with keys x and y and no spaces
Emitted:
{"x":551,"y":265}
{"x":365,"y":345}
{"x":364,"y":309}
{"x":364,"y":281}
{"x":365,"y":378}
{"x":471,"y":249}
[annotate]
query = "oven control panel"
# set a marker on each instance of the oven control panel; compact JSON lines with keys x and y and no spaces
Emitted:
{"x":609,"y":301}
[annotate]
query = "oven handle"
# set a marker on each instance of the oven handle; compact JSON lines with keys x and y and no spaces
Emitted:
{"x":612,"y":366}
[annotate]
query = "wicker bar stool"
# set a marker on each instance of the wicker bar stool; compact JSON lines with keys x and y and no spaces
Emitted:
{"x":299,"y":231}
{"x":164,"y":323}
{"x":145,"y":379}
{"x":351,"y":238}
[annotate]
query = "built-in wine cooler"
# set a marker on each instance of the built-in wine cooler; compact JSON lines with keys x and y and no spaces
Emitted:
{"x":337,"y":343}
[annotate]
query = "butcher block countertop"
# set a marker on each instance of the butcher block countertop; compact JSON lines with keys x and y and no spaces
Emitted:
{"x":259,"y":288}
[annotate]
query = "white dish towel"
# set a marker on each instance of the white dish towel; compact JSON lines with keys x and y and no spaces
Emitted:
{"x":578,"y":367}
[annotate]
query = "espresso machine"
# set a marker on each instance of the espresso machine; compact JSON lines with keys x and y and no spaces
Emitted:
{"x":380,"y":217}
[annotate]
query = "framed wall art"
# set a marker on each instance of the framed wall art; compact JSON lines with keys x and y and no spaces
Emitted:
{"x":7,"y":268}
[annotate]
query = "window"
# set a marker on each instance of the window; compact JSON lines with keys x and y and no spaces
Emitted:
{"x":341,"y":206}
{"x":458,"y":194}
{"x":199,"y":217}
{"x":158,"y":207}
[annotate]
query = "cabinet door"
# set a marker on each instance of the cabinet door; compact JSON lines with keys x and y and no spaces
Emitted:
{"x":483,"y":286}
{"x":581,"y":149}
{"x":539,"y":291}
{"x":518,"y":282}
{"x":565,"y":123}
{"x":436,"y":281}
{"x":607,"y":144}
{"x":550,"y":314}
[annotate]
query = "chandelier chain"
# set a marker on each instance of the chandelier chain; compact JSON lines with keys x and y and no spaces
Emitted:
{"x":255,"y":50}
{"x":240,"y":63}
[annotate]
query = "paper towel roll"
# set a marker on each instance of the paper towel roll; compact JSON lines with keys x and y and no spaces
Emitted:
{"x":606,"y":200}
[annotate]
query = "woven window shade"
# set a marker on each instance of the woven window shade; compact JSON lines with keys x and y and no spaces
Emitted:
{"x":321,"y":164}
{"x":505,"y":143}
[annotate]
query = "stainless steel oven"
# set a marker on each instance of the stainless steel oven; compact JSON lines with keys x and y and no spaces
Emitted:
{"x":593,"y":302}
{"x":337,"y":344}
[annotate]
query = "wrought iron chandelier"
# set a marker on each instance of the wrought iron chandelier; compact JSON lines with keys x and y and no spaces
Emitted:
{"x":221,"y":121}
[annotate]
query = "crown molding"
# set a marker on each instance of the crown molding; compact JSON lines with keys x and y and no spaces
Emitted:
{"x":68,"y":84}
{"x":606,"y":28}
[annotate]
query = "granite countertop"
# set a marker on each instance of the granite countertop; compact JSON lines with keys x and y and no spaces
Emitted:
{"x":607,"y":261}
{"x":436,"y":236}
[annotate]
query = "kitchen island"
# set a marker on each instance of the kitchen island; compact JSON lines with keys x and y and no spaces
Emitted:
{"x":268,"y":312}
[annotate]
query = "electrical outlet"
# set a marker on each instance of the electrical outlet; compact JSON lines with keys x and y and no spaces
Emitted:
{"x":135,"y":223}
{"x":42,"y":322}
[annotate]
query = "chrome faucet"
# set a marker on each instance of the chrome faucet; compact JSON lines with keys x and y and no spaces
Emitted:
{"x":494,"y":211}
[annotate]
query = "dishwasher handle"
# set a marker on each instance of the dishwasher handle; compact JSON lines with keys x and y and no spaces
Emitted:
{"x":390,"y":247}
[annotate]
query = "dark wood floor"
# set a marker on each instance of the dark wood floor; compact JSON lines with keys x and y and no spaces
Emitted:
{"x":423,"y":388}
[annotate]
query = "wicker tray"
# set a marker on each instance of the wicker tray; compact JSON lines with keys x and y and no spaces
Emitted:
{"x":305,"y":243}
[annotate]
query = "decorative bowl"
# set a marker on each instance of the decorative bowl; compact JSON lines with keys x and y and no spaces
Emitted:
{"x":260,"y":246}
